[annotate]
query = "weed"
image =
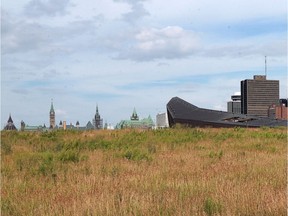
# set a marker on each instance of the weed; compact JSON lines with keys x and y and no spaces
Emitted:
{"x":136,"y":155}
{"x":151,"y":148}
{"x":212,"y":207}
{"x":273,"y":149}
{"x":70,"y":155}
{"x":6,"y":148}
{"x":220,"y":171}
{"x":218,"y":155}
{"x":8,"y":208}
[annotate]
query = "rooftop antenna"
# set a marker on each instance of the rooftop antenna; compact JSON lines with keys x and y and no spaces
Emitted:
{"x":265,"y":66}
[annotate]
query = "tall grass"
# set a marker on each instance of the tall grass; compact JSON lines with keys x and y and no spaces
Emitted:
{"x":158,"y":172}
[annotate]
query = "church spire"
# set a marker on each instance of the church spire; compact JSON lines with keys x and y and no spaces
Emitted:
{"x":97,"y":112}
{"x":10,"y":119}
{"x":52,"y":115}
{"x":97,"y":121}
{"x":52,"y":108}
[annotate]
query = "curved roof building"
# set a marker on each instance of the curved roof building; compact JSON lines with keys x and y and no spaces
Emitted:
{"x":181,"y":112}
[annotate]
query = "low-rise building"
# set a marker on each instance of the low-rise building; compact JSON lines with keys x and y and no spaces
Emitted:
{"x":162,"y":120}
{"x":278,"y":111}
{"x":134,"y":122}
{"x":25,"y":127}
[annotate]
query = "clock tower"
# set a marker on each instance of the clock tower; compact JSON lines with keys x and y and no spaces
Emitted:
{"x":52,"y":116}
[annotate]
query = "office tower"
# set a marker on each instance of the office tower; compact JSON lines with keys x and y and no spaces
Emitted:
{"x":258,"y":94}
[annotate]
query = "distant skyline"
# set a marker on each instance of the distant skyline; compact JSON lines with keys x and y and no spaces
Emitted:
{"x":122,"y":54}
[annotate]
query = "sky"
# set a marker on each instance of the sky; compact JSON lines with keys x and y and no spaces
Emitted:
{"x":126,"y":54}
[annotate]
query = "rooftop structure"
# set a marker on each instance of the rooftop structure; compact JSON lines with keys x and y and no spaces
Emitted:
{"x":182,"y":112}
{"x":10,"y":125}
{"x":234,"y":106}
{"x":64,"y":126}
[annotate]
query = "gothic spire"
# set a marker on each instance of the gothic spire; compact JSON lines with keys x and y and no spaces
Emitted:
{"x":10,"y":119}
{"x":97,"y":112}
{"x":134,"y":115}
{"x":51,"y":108}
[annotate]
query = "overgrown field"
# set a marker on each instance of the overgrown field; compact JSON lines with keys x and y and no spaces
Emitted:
{"x":180,"y":171}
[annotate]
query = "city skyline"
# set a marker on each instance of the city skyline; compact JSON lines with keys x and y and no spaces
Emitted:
{"x":123,"y":54}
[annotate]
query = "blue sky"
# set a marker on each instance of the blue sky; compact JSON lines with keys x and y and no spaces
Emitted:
{"x":122,"y":54}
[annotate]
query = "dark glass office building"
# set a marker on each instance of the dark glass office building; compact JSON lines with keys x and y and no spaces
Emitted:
{"x":258,"y":94}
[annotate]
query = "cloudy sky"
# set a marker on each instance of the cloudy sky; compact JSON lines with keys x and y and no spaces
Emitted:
{"x":122,"y":54}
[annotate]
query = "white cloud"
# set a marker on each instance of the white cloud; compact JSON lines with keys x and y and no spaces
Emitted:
{"x":60,"y":112}
{"x":164,"y":43}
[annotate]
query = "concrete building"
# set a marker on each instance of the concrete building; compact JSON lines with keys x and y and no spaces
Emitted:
{"x":234,"y":106}
{"x":161,"y":120}
{"x":258,"y":94}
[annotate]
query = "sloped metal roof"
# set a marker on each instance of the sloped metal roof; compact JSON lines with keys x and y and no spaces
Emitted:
{"x":180,"y":111}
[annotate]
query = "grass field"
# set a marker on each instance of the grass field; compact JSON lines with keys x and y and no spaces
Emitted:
{"x":178,"y":171}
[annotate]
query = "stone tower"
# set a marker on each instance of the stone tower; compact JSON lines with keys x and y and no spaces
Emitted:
{"x":52,"y":116}
{"x":97,"y":121}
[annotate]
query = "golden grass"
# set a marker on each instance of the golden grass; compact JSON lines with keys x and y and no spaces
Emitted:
{"x":224,"y":172}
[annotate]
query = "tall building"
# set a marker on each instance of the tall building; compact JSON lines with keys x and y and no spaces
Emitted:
{"x":234,"y":106}
{"x":258,"y":94}
{"x":52,"y":116}
{"x":97,"y":121}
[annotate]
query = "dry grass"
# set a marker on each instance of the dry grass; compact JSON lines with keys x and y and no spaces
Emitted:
{"x":169,"y":172}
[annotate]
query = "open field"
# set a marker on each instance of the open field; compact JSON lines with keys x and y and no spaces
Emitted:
{"x":158,"y":172}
